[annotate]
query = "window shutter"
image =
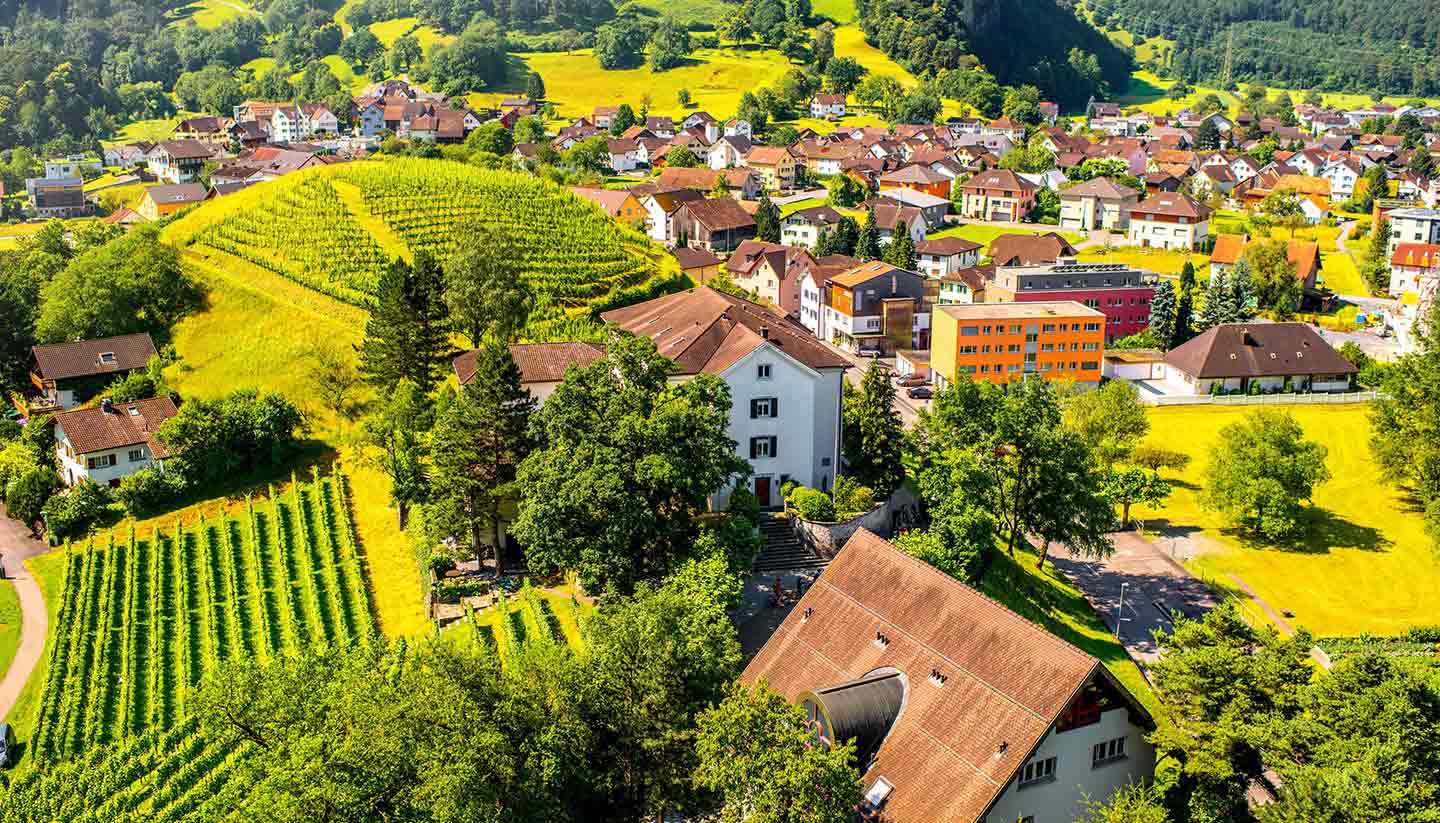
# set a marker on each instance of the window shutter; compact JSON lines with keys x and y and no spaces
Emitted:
{"x":754,"y":409}
{"x":773,"y":451}
{"x":774,"y":407}
{"x":754,"y":447}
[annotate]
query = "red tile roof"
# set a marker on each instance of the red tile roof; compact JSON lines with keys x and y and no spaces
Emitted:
{"x":1416,"y":255}
{"x":59,"y":361}
{"x":538,"y":362}
{"x":1171,"y":204}
{"x":96,"y":428}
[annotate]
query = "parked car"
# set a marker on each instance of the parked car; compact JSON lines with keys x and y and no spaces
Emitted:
{"x":908,"y":382}
{"x":873,"y":354}
{"x":920,"y":393}
{"x":7,"y":746}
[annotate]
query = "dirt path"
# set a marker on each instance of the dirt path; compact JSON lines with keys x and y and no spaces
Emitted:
{"x":17,"y":546}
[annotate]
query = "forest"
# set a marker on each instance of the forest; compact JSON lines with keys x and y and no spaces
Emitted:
{"x":1336,"y":45}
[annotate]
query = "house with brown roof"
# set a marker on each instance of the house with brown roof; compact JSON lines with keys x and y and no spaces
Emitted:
{"x":542,"y":365}
{"x":1169,"y":220}
{"x":771,"y":271}
{"x":1029,"y":249}
{"x":618,"y":203}
{"x":1414,"y":270}
{"x":105,"y":442}
{"x":785,"y":386}
{"x":774,"y":164}
{"x":939,"y":257}
{"x":999,"y":195}
{"x":166,"y":199}
{"x":1303,"y":254}
{"x":714,"y":224}
{"x":917,"y":177}
{"x":1099,"y":203}
{"x":1230,"y":357}
{"x":178,"y":161}
{"x":699,"y":265}
{"x":827,"y":105}
{"x":742,"y":182}
{"x":876,"y":307}
{"x":959,"y":709}
{"x":68,"y":374}
{"x":890,"y":214}
{"x":661,"y":206}
{"x":207,"y":129}
{"x":803,"y":226}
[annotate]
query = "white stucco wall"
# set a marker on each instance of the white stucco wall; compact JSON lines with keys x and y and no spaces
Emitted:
{"x":1059,"y":800}
{"x":74,"y":468}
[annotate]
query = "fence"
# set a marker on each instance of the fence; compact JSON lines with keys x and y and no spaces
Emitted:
{"x":1293,"y":399}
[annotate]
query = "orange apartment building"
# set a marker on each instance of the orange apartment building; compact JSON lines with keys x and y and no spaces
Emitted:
{"x":1001,"y":342}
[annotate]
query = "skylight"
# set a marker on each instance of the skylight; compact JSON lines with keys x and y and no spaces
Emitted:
{"x":879,"y":791}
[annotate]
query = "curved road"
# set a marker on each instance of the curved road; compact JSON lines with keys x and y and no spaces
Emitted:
{"x":17,"y":546}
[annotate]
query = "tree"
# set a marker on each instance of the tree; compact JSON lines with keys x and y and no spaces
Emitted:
{"x":1111,"y":420}
{"x":491,"y":137}
{"x":669,"y":45}
{"x":1022,"y":105}
{"x":619,"y":44}
{"x":1132,"y":803}
{"x":767,"y":220}
{"x":480,"y":439}
{"x":1243,"y":300}
{"x":681,"y":157}
{"x":1128,"y":486}
{"x":734,"y":27}
{"x":1283,"y":207}
{"x":846,"y":192}
{"x":846,"y":237}
{"x":406,"y":338}
{"x":683,"y":98}
{"x":214,"y":440}
{"x":26,"y":494}
{"x":484,"y":291}
{"x":393,"y":440}
{"x":873,"y":434}
{"x":1156,"y":458}
{"x":332,"y":378}
{"x":960,"y":542}
{"x":1276,"y":286}
{"x":404,"y":53}
{"x":822,"y":47}
{"x":1162,"y":313}
{"x":901,"y":251}
{"x":535,"y":86}
{"x":530,"y":130}
{"x":624,"y":469}
{"x":867,"y":246}
{"x":843,"y":74}
{"x":881,"y":91}
{"x":1219,"y":303}
{"x":1207,"y":137}
{"x":758,"y":755}
{"x":1373,"y":183}
{"x":1404,"y":435}
{"x":1261,"y":467}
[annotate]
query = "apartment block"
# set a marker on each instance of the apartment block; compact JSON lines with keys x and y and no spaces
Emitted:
{"x":1001,"y":342}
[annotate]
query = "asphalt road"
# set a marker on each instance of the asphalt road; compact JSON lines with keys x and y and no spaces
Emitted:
{"x":908,"y":408}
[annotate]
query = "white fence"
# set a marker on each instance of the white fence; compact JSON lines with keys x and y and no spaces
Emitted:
{"x":1294,"y":399}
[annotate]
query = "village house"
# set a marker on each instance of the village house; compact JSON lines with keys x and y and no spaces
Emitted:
{"x":699,"y":265}
{"x":1121,"y":293}
{"x":803,"y":227}
{"x":127,"y":155}
{"x":178,"y":161}
{"x":106,"y":442}
{"x":945,"y":255}
{"x":68,"y":374}
{"x":932,"y":208}
{"x":876,"y":307}
{"x":917,"y":178}
{"x":61,"y":197}
{"x":964,"y":285}
{"x":784,"y":385}
{"x":774,"y":164}
{"x":743,"y":183}
{"x":959,"y":709}
{"x":369,"y":117}
{"x":1303,"y":254}
{"x":998,"y":195}
{"x":1169,"y":221}
{"x":1002,"y":342}
{"x":542,"y":365}
{"x":716,"y":224}
{"x":660,"y":210}
{"x":617,"y":203}
{"x":1414,"y":269}
{"x":827,"y":159}
{"x":1409,"y":225}
{"x":1231,"y":357}
{"x":1099,"y":203}
{"x":1029,"y":249}
{"x":166,"y":199}
{"x":824,"y":106}
{"x":890,"y":214}
{"x":1342,"y":175}
{"x":771,"y":271}
{"x":207,"y":129}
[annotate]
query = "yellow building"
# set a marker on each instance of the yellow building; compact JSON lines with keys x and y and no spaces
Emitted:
{"x":618,"y":203}
{"x":774,"y":164}
{"x":160,"y":201}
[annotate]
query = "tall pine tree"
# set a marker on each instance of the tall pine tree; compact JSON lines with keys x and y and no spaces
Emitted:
{"x":1218,"y":306}
{"x":847,"y":236}
{"x":767,"y":220}
{"x":478,"y":444}
{"x":867,"y":246}
{"x":873,"y":435}
{"x":1184,"y":307}
{"x":1162,"y":313}
{"x":901,"y":252}
{"x":406,"y":337}
{"x":1243,"y":300}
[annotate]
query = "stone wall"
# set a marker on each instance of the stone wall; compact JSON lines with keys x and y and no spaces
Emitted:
{"x":825,"y":539}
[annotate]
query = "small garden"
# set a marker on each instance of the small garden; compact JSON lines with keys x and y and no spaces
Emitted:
{"x":1419,"y":646}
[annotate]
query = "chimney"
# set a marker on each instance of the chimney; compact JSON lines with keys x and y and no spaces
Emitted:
{"x":764,"y":332}
{"x":106,"y":406}
{"x":1247,"y":339}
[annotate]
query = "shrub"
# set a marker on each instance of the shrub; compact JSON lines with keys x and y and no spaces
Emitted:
{"x":851,"y":498}
{"x":9,"y":430}
{"x":149,"y":490}
{"x":15,"y":460}
{"x":26,"y":494}
{"x":811,"y":504}
{"x":74,"y":513}
{"x":745,"y":506}
{"x":960,"y":543}
{"x":1423,"y":634}
{"x":738,"y":539}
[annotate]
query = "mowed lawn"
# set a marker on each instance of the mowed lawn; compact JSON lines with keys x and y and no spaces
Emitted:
{"x":9,"y":624}
{"x":1367,"y":565}
{"x":1162,"y":261}
{"x":985,"y":233}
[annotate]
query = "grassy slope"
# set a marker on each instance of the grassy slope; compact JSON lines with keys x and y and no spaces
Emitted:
{"x":985,"y":233}
{"x":9,"y":623}
{"x":1147,"y":91}
{"x":1367,"y":567}
{"x":207,"y":14}
{"x":49,"y":572}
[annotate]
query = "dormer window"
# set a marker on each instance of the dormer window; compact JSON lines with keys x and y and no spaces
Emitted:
{"x":107,"y":358}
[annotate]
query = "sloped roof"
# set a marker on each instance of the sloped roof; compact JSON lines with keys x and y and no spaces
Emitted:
{"x":704,"y":330}
{"x":1172,"y":204}
{"x":865,"y":272}
{"x":176,"y":193}
{"x":1102,"y":187}
{"x":185,"y":149}
{"x":1025,"y":249}
{"x":694,"y":258}
{"x":1416,"y":255}
{"x":766,"y":155}
{"x":59,"y":361}
{"x":954,"y":748}
{"x":97,"y":429}
{"x":1229,"y":248}
{"x":610,"y":200}
{"x":819,"y":215}
{"x":1003,"y":179}
{"x":946,"y":246}
{"x":538,"y":362}
{"x":720,"y":213}
{"x":913,"y":173}
{"x":1246,"y":349}
{"x":1306,"y":257}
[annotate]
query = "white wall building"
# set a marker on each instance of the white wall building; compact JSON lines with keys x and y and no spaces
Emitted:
{"x":104,"y":443}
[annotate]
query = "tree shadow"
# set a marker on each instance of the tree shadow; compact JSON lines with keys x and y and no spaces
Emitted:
{"x":1324,"y":531}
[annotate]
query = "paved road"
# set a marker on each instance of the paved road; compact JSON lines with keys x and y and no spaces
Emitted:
{"x":909,"y":409}
{"x":1155,"y":586}
{"x":17,"y":545}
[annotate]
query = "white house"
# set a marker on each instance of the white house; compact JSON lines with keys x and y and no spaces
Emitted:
{"x":827,"y":105}
{"x":785,"y":386}
{"x":1169,"y":220}
{"x":958,"y":709}
{"x":178,"y":161}
{"x":1343,"y":175}
{"x":625,"y":155}
{"x":803,"y":227}
{"x":106,"y":442}
{"x":946,"y":255}
{"x":69,"y":374}
{"x":72,"y":166}
{"x":735,"y":127}
{"x":728,"y":152}
{"x":1413,"y":226}
{"x":370,"y":120}
{"x":1231,"y":357}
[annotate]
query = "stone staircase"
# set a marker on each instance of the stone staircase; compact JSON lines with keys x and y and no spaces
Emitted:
{"x":780,"y":550}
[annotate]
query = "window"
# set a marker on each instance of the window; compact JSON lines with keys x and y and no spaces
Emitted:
{"x":764,"y":407}
{"x":987,"y":329}
{"x":969,"y":331}
{"x":1047,"y":347}
{"x":762,"y":447}
{"x":984,"y":349}
{"x":1037,"y":771}
{"x":1048,"y":327}
{"x":107,"y":357}
{"x":966,"y":369}
{"x":1089,"y":365}
{"x":136,"y":455}
{"x":1092,"y":347}
{"x":101,"y":462}
{"x":1092,"y":327}
{"x":985,"y":369}
{"x":967,"y":349}
{"x":1107,"y":752}
{"x":1015,"y":329}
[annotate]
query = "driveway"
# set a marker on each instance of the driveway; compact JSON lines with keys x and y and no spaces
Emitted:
{"x":17,"y":546}
{"x":1155,"y":586}
{"x":909,"y":409}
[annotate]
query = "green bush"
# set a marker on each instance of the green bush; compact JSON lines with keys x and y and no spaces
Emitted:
{"x":1423,"y":634}
{"x":15,"y":460}
{"x":71,"y":515}
{"x":811,"y":504}
{"x":25,"y":495}
{"x":851,"y":498}
{"x":149,"y":490}
{"x":9,"y":430}
{"x":745,"y":505}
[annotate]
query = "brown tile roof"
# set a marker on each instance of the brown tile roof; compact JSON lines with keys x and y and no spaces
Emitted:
{"x":946,"y":246}
{"x":1306,"y":257}
{"x":720,"y":213}
{"x":1026,"y":249}
{"x":954,"y":748}
{"x":59,"y":361}
{"x":1416,"y":255}
{"x":610,"y":200}
{"x":766,"y":155}
{"x":694,"y":258}
{"x":1171,"y":204}
{"x":1257,"y":350}
{"x":176,"y":193}
{"x":1102,"y":187}
{"x":818,"y":215}
{"x":96,"y":429}
{"x":889,"y":212}
{"x":913,"y":173}
{"x":976,"y":277}
{"x":1002,"y":179}
{"x":538,"y":362}
{"x":1228,"y":249}
{"x":704,"y":330}
{"x":186,"y":149}
{"x":866,"y":272}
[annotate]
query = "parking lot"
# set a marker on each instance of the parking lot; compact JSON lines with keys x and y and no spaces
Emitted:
{"x":908,"y":407}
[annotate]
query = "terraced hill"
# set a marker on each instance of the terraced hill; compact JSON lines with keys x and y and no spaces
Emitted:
{"x":334,"y":228}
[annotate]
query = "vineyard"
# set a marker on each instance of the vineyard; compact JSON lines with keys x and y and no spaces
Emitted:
{"x":334,"y":228}
{"x":526,"y":617}
{"x":143,"y":620}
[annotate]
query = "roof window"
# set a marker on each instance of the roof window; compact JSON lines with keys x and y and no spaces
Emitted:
{"x":879,"y":790}
{"x":107,"y":357}
{"x":134,"y":410}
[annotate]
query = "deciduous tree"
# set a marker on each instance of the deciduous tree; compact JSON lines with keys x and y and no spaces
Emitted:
{"x":484,"y":290}
{"x":1261,"y":468}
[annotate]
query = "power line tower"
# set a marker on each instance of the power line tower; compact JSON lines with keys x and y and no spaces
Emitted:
{"x":1229,"y":69}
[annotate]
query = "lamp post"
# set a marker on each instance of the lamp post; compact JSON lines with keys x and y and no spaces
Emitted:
{"x":1120,"y":610}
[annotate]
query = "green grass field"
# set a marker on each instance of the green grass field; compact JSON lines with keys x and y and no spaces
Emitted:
{"x":149,"y":130}
{"x":985,"y":233}
{"x":1147,"y":90}
{"x":1162,"y":261}
{"x":207,"y":14}
{"x":9,"y":624}
{"x":1367,"y":565}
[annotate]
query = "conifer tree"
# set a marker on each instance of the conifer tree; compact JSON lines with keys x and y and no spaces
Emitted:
{"x":1218,"y":303}
{"x":867,"y":245}
{"x":873,"y":434}
{"x":406,"y":336}
{"x":767,"y":220}
{"x":1162,"y":313}
{"x":477,"y":446}
{"x":1184,"y":307}
{"x":847,"y":236}
{"x":822,"y":243}
{"x":1243,"y":301}
{"x":901,"y":253}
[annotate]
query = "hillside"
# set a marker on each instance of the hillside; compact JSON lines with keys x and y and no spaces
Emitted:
{"x":333,"y":229}
{"x":1337,"y":45}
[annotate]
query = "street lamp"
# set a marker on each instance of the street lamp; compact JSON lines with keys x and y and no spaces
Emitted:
{"x":1119,"y":610}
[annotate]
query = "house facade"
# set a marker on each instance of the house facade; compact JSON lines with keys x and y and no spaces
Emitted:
{"x":827,"y":105}
{"x":1413,"y":226}
{"x":178,"y":161}
{"x":106,"y":442}
{"x":717,"y":224}
{"x":937,"y":258}
{"x":803,"y":227}
{"x":1121,"y":293}
{"x":1169,"y":220}
{"x":57,"y":197}
{"x":958,"y":709}
{"x":1414,"y":267}
{"x":1231,"y":357}
{"x":1002,"y":342}
{"x":1097,"y":204}
{"x":999,"y":195}
{"x":164,"y":200}
{"x":67,"y":374}
{"x":876,"y":306}
{"x":774,"y":164}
